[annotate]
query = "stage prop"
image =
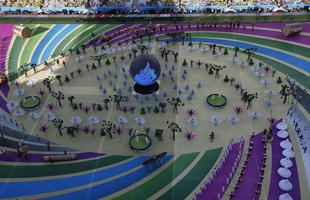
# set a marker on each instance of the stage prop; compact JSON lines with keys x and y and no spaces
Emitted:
{"x":291,"y":29}
{"x":145,"y":71}
{"x":22,"y":31}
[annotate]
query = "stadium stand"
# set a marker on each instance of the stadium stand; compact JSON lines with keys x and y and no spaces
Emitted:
{"x":149,"y":6}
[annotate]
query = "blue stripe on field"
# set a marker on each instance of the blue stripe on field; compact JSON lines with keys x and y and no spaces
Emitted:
{"x":53,"y":31}
{"x":108,"y":188}
{"x":48,"y":51}
{"x":15,"y":189}
{"x":285,"y":57}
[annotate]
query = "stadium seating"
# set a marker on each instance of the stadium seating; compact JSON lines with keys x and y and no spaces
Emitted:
{"x":148,"y":6}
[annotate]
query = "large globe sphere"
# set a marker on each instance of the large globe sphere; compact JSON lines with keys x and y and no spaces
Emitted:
{"x":145,"y":70}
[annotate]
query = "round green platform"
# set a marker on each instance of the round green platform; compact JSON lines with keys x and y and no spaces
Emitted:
{"x":216,"y":101}
{"x":143,"y":143}
{"x":30,"y":103}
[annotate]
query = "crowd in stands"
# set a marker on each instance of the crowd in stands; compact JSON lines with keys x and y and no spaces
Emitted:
{"x":64,"y":3}
{"x":42,"y":3}
{"x":100,"y":3}
{"x":154,"y":6}
{"x":21,"y":3}
{"x":239,"y":2}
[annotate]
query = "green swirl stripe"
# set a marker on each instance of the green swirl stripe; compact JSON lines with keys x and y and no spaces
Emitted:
{"x":16,"y":51}
{"x":285,"y":69}
{"x":13,"y":57}
{"x":298,"y":76}
{"x":33,"y":41}
{"x":31,"y":171}
{"x":86,"y":37}
{"x":285,"y":46}
{"x":149,"y":188}
{"x":190,"y":181}
{"x":68,"y":39}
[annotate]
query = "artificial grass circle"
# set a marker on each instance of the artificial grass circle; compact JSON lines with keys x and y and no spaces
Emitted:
{"x":216,"y":100}
{"x":30,"y":102}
